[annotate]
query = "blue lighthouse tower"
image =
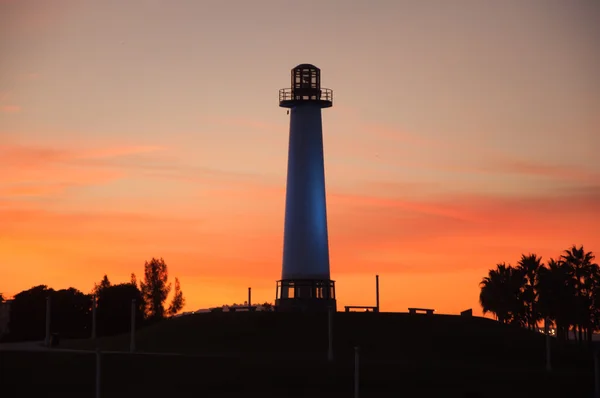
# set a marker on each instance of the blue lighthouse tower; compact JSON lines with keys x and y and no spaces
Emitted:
{"x":305,"y":283}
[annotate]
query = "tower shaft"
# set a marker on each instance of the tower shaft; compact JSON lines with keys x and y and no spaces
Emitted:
{"x":306,"y":246}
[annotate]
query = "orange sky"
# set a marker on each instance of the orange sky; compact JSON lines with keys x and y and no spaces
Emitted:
{"x":461,"y":136}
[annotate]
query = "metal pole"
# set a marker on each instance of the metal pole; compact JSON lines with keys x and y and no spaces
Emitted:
{"x":548,"y":344}
{"x":596,"y":374}
{"x":94,"y":316}
{"x":330,"y":334}
{"x":132,"y":341}
{"x":377,"y":290}
{"x":97,"y":372}
{"x":249,"y":298}
{"x":48,"y":314}
{"x":356,"y":374}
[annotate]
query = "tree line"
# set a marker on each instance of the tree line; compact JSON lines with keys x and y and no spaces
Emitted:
{"x":565,"y":290}
{"x":71,"y":309}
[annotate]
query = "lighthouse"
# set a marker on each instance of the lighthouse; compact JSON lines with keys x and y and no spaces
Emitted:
{"x":305,"y":283}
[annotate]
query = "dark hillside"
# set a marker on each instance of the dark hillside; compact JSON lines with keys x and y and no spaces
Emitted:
{"x":386,"y":336}
{"x":283,"y":355}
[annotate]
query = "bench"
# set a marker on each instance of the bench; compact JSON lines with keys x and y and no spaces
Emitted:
{"x":427,"y":311}
{"x":361,"y":307}
{"x":242,"y":308}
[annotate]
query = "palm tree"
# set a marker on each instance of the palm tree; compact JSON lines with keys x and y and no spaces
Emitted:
{"x":501,"y":294}
{"x":556,"y":292}
{"x":566,"y":291}
{"x":593,"y":300}
{"x":585,"y":275}
{"x":530,"y":266}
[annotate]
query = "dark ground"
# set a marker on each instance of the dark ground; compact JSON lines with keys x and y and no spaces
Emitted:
{"x":283,"y":355}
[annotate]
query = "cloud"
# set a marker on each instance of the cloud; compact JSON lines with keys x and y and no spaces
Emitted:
{"x":29,"y":76}
{"x":23,"y":18}
{"x":42,"y":222}
{"x":39,"y":171}
{"x":232,"y":230}
{"x":26,"y":190}
{"x":246,"y":123}
{"x":554,"y":171}
{"x":20,"y":154}
{"x":5,"y":103}
{"x":210,"y":224}
{"x":10,"y":108}
{"x":52,"y":181}
{"x":410,"y":206}
{"x":460,"y":232}
{"x":118,"y":152}
{"x":389,"y":146}
{"x":396,"y":135}
{"x":32,"y":156}
{"x":230,"y":233}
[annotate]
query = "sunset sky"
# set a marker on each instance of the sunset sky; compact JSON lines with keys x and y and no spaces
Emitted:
{"x":463,"y":133}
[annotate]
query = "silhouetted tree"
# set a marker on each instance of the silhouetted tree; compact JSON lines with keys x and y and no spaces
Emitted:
{"x":178,"y":300}
{"x":556,"y":292}
{"x":104,"y":283}
{"x":70,"y":313}
{"x":155,"y":288}
{"x":566,"y":291}
{"x":28,"y":314}
{"x":530,"y":266}
{"x":1,"y":298}
{"x":133,"y":280}
{"x":501,"y":294}
{"x":114,"y":309}
{"x":585,"y":275}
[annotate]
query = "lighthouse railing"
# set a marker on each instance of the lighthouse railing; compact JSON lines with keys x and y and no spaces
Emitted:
{"x":290,"y":94}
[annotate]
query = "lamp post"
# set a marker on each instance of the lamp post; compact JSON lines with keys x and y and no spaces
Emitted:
{"x":356,"y":372}
{"x":48,"y":315}
{"x":132,"y":338}
{"x":377,"y":291}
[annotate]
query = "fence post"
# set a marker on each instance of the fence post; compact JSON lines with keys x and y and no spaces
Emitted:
{"x":548,"y":344}
{"x":94,"y":298}
{"x":132,"y":341}
{"x":48,"y":314}
{"x":330,"y":334}
{"x":356,"y":373}
{"x":596,"y":374}
{"x":97,"y":372}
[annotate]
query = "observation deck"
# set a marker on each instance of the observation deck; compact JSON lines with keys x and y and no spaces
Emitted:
{"x":290,"y":97}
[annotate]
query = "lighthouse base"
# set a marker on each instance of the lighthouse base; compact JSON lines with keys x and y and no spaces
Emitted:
{"x":305,"y":295}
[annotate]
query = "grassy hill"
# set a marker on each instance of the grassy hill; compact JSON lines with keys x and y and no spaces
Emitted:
{"x":284,"y":355}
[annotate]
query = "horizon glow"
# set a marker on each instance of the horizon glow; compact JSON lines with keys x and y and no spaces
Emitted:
{"x":461,"y":136}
